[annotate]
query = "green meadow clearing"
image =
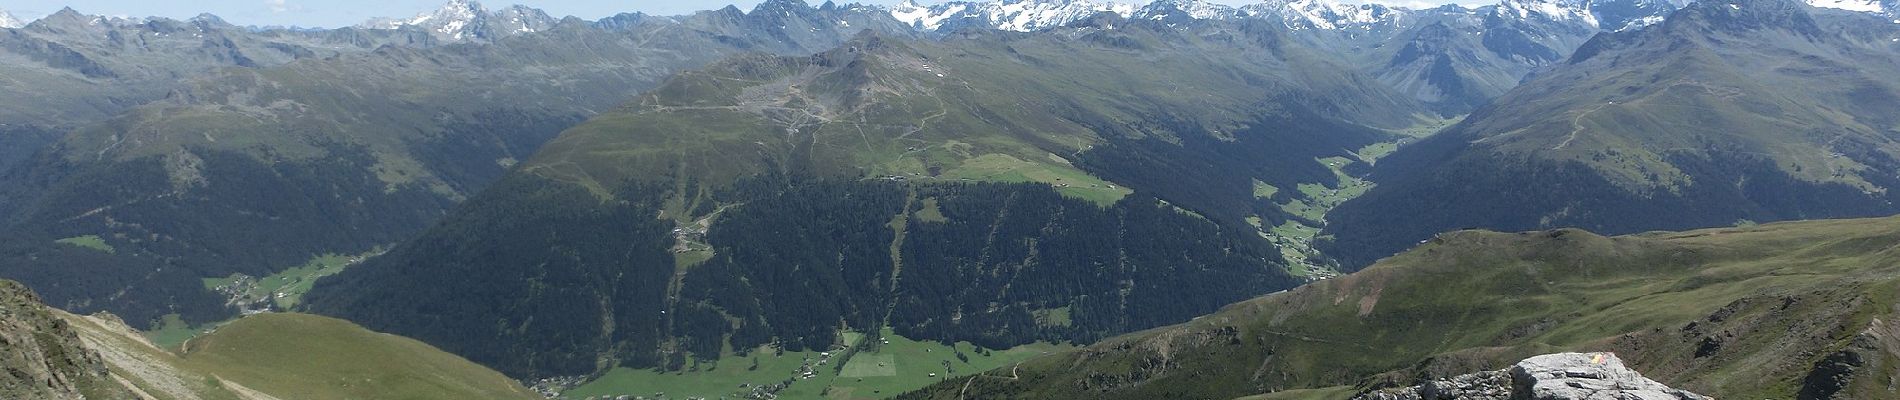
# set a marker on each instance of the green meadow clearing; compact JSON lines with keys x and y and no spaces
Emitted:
{"x":875,"y":370}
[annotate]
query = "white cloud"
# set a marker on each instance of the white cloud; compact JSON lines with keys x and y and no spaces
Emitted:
{"x":277,"y":6}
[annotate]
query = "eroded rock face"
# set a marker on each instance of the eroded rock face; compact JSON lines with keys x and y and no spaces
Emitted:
{"x":42,"y":358}
{"x":1563,"y":376}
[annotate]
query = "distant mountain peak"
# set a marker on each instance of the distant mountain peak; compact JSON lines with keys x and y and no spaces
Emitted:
{"x":1749,"y":16}
{"x":1553,"y":10}
{"x":210,"y":20}
{"x":7,"y":21}
{"x":781,"y":5}
{"x":66,"y":19}
{"x":451,"y":19}
{"x":461,"y":20}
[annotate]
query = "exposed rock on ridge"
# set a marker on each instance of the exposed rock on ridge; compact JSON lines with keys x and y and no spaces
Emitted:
{"x":1562,"y":376}
{"x":42,"y":358}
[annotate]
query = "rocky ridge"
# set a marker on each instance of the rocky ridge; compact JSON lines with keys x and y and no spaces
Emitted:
{"x":43,"y":358}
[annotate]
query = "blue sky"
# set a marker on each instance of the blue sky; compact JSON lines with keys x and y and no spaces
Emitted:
{"x":333,"y":13}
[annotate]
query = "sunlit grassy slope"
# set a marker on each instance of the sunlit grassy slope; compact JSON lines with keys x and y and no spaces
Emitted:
{"x":1749,"y":312}
{"x":291,"y":356}
{"x":876,"y":370}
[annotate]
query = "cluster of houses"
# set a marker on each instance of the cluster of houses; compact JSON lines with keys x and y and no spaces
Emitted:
{"x":810,"y":368}
{"x":239,"y":293}
{"x":553,"y":386}
{"x":684,"y":237}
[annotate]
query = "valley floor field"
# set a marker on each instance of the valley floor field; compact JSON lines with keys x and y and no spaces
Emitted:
{"x":875,"y":370}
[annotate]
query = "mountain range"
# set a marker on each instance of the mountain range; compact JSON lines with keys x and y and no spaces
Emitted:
{"x":462,"y":20}
{"x":617,"y":201}
{"x":846,"y":164}
{"x":1407,"y":48}
{"x":1689,"y":122}
{"x":1451,"y":57}
{"x":71,"y":70}
{"x":176,"y":112}
{"x":752,"y":159}
{"x":252,"y":167}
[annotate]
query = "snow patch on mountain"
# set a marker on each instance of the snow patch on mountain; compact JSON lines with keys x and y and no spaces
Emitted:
{"x":7,"y":21}
{"x":1643,"y":22}
{"x":1871,"y":6}
{"x":1323,"y":14}
{"x":1552,"y":10}
{"x":451,"y":20}
{"x":924,"y":17}
{"x":461,"y":20}
{"x":1029,"y":15}
{"x":1195,"y":9}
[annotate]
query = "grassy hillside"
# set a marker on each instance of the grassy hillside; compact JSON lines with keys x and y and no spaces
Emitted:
{"x":1694,"y":122}
{"x":1769,"y":311}
{"x":312,"y":357}
{"x":860,"y":367}
{"x":290,"y":356}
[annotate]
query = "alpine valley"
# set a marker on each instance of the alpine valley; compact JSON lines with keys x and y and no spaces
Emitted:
{"x":1044,"y":199}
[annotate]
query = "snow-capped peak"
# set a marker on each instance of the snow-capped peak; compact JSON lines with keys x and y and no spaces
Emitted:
{"x":7,"y":21}
{"x":1553,"y":10}
{"x":1027,"y":15}
{"x":452,"y":19}
{"x":1889,"y":8}
{"x":465,"y":20}
{"x":1013,"y":15}
{"x":919,"y":16}
{"x":1322,"y":14}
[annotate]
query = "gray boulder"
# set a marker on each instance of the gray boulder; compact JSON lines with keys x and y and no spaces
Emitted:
{"x":1563,"y":376}
{"x":1588,"y":376}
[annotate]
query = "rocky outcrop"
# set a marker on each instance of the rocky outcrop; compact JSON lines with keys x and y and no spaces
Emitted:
{"x":1563,"y":376}
{"x":42,"y":358}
